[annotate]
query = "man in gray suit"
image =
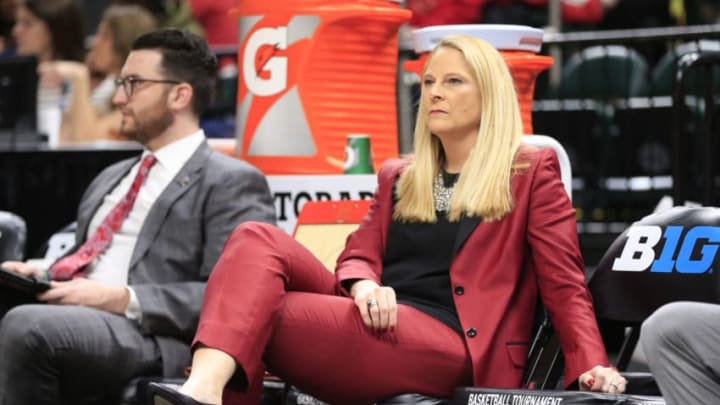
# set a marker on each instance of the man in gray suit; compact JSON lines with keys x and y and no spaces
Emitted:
{"x":136,"y":306}
{"x":681,"y":342}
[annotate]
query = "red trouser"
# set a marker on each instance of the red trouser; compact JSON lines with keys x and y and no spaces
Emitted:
{"x":270,"y":302}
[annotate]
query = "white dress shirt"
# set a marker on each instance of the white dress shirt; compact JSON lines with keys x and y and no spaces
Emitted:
{"x":111,"y":267}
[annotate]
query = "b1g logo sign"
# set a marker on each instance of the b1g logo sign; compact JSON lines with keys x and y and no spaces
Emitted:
{"x":688,"y":250}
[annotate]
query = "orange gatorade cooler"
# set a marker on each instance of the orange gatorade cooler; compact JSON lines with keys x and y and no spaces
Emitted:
{"x":518,"y":45}
{"x":310,"y":73}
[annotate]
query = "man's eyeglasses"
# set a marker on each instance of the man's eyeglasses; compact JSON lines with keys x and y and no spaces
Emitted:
{"x":130,"y":82}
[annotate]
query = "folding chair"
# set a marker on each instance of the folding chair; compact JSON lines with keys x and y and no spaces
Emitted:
{"x":12,"y":244}
{"x":662,"y":258}
{"x":701,"y":141}
{"x":603,"y":72}
{"x":664,"y":73}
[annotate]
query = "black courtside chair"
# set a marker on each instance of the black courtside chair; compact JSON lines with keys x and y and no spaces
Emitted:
{"x":12,"y":236}
{"x":664,"y":257}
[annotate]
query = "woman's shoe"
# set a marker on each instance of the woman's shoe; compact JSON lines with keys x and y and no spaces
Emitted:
{"x":162,"y":394}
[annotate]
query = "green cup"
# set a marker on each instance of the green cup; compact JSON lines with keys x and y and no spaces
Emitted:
{"x":358,"y":159}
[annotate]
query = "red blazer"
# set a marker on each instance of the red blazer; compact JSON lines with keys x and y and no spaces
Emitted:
{"x":498,"y":270}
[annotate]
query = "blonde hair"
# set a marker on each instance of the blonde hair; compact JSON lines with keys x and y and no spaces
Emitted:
{"x":483,"y":187}
{"x":126,"y":23}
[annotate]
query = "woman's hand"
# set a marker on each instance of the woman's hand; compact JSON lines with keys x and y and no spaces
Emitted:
{"x":53,"y":74}
{"x":602,"y":379}
{"x":377,"y":305}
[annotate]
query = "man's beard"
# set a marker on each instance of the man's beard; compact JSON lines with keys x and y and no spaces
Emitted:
{"x":150,"y":128}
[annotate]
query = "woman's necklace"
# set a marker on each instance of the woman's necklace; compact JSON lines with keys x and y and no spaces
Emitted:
{"x":443,"y":189}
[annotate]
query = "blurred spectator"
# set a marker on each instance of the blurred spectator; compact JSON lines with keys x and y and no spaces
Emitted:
{"x":7,"y":20}
{"x":442,"y":12}
{"x":169,"y":13}
{"x":92,"y":11}
{"x":575,"y":13}
{"x":703,"y":11}
{"x":219,"y":30}
{"x":622,"y":14}
{"x":213,"y":16}
{"x":50,"y":30}
{"x":89,"y":115}
{"x":209,"y":18}
{"x":525,"y":12}
{"x":117,"y":29}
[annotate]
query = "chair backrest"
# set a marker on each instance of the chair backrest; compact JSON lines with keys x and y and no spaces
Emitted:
{"x":12,"y":236}
{"x":664,"y":257}
{"x":665,"y":70}
{"x":603,"y":72}
{"x":545,"y":141}
{"x":323,"y":226}
{"x":695,"y":129}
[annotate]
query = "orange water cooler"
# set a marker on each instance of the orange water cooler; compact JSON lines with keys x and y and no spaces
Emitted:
{"x":312,"y":72}
{"x":518,"y":45}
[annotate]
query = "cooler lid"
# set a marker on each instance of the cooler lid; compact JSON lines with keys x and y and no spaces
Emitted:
{"x":504,"y":37}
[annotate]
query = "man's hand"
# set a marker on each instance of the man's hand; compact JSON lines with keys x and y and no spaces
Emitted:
{"x":23,"y":269}
{"x":81,"y":291}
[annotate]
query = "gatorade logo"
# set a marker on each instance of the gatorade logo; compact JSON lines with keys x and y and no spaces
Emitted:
{"x":691,"y":252}
{"x":273,"y":53}
{"x":264,"y":71}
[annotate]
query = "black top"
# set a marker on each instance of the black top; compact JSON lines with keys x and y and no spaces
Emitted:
{"x":417,"y":264}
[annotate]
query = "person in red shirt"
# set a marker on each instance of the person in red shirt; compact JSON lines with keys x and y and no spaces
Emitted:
{"x":219,"y":27}
{"x":434,"y":12}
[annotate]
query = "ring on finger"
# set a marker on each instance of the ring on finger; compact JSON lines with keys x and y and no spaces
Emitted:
{"x":372,"y":302}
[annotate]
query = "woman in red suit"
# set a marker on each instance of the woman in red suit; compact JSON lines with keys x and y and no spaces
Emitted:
{"x":437,"y":287}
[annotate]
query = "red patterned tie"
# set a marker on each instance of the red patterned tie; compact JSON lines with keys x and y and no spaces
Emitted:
{"x":71,"y":266}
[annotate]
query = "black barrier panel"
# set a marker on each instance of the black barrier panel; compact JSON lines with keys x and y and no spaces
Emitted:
{"x":665,"y":257}
{"x":490,"y":396}
{"x":44,"y":187}
{"x":18,"y":101}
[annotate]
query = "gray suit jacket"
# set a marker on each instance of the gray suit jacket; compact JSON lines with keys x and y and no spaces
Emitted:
{"x":181,"y":239}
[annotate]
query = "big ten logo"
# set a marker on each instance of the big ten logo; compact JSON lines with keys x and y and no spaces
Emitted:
{"x":688,"y":250}
{"x":265,"y":71}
